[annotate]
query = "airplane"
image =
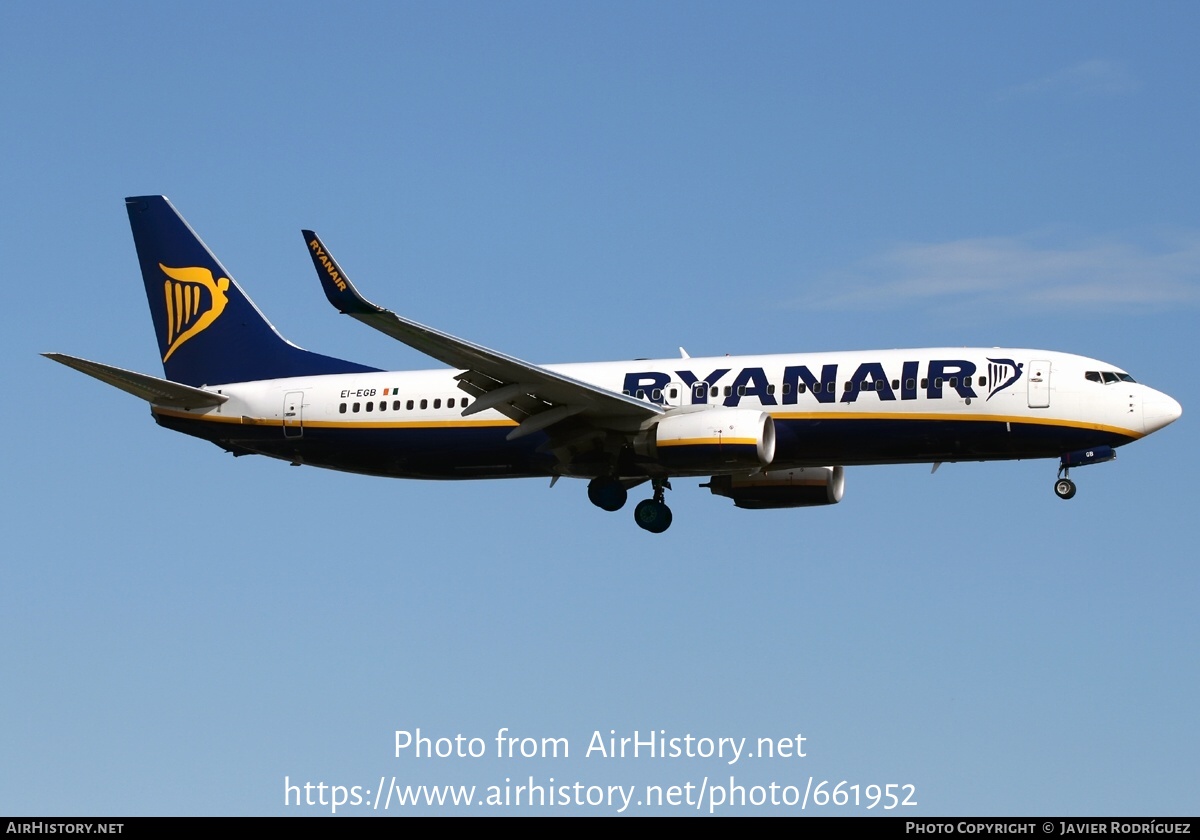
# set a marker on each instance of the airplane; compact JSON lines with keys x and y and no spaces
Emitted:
{"x":768,"y":431}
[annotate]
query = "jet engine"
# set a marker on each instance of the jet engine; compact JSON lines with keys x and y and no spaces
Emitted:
{"x":801,"y":487}
{"x":713,"y":438}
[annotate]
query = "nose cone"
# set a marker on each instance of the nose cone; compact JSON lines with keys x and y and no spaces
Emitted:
{"x":1159,"y":410}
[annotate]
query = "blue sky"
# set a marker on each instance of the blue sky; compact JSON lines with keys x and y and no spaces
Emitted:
{"x":571,"y":182}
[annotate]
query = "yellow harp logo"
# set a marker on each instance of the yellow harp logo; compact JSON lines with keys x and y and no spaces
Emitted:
{"x":188,"y":314}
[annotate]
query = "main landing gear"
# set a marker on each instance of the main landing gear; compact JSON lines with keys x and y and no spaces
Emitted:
{"x":608,"y":493}
{"x":652,"y":514}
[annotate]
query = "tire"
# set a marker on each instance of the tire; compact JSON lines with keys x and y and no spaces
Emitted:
{"x":652,"y":516}
{"x":607,"y":493}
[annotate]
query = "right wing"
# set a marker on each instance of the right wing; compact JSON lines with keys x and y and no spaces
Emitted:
{"x":533,"y":396}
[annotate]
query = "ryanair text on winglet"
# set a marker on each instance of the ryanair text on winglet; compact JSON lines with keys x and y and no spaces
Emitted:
{"x":330,"y":268}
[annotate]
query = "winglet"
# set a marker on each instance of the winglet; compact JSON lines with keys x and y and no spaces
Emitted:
{"x":334,"y":282}
{"x":514,"y":378}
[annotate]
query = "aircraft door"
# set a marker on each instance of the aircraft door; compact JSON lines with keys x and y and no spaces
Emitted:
{"x":1039,"y":384}
{"x":293,"y":414}
{"x":674,"y":393}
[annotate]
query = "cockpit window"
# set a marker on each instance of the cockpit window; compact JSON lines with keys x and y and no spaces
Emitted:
{"x":1107,"y":376}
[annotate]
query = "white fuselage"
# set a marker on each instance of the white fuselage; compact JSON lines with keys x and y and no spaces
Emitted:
{"x":853,"y":407}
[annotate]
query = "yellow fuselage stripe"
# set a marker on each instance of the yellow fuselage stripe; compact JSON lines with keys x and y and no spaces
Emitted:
{"x":709,"y":441}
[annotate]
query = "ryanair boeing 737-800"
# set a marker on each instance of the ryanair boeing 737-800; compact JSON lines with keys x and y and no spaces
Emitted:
{"x":769,"y":431}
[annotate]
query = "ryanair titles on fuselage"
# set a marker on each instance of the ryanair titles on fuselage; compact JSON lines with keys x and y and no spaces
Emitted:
{"x":957,"y":375}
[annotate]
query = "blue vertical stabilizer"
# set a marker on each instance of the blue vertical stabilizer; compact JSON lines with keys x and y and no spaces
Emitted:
{"x":208,"y":331}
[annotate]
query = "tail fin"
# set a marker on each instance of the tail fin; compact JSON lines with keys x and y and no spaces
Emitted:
{"x":208,"y":331}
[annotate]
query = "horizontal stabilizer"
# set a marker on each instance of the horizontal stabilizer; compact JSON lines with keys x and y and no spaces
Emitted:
{"x":149,"y":388}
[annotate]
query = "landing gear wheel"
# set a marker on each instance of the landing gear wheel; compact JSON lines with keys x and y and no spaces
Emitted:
{"x":1064,"y":488}
{"x":607,"y":493}
{"x":652,"y":516}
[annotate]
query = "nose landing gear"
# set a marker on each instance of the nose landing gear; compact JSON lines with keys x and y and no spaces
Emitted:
{"x":1064,"y":487}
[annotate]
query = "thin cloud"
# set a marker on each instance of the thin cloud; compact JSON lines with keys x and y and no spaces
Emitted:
{"x":1085,"y":79}
{"x":1021,"y":272}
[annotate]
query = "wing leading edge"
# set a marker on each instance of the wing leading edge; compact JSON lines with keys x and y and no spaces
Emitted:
{"x":533,"y":396}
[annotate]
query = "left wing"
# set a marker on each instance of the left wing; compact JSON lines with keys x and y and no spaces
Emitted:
{"x":536,"y":398}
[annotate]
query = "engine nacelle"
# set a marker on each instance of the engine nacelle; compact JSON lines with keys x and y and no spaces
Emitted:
{"x":713,"y":438}
{"x":801,"y":487}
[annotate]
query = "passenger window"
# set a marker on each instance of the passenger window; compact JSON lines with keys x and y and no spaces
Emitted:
{"x":370,"y":406}
{"x":354,"y":408}
{"x":342,"y":408}
{"x":982,"y":381}
{"x":464,"y":402}
{"x":424,"y":404}
{"x":924,"y":381}
{"x":967,"y":381}
{"x":728,"y":390}
{"x":396,"y":405}
{"x":656,"y":394}
{"x":437,"y":403}
{"x":953,"y":381}
{"x":698,"y":390}
{"x":674,"y":393}
{"x":714,"y":391}
{"x":801,"y":387}
{"x":787,"y":387}
{"x":910,"y":384}
{"x":847,"y":386}
{"x":816,"y":387}
{"x":450,"y":403}
{"x":741,"y":390}
{"x":641,"y":394}
{"x":408,"y":406}
{"x":771,"y":389}
{"x":878,"y":384}
{"x":895,"y":384}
